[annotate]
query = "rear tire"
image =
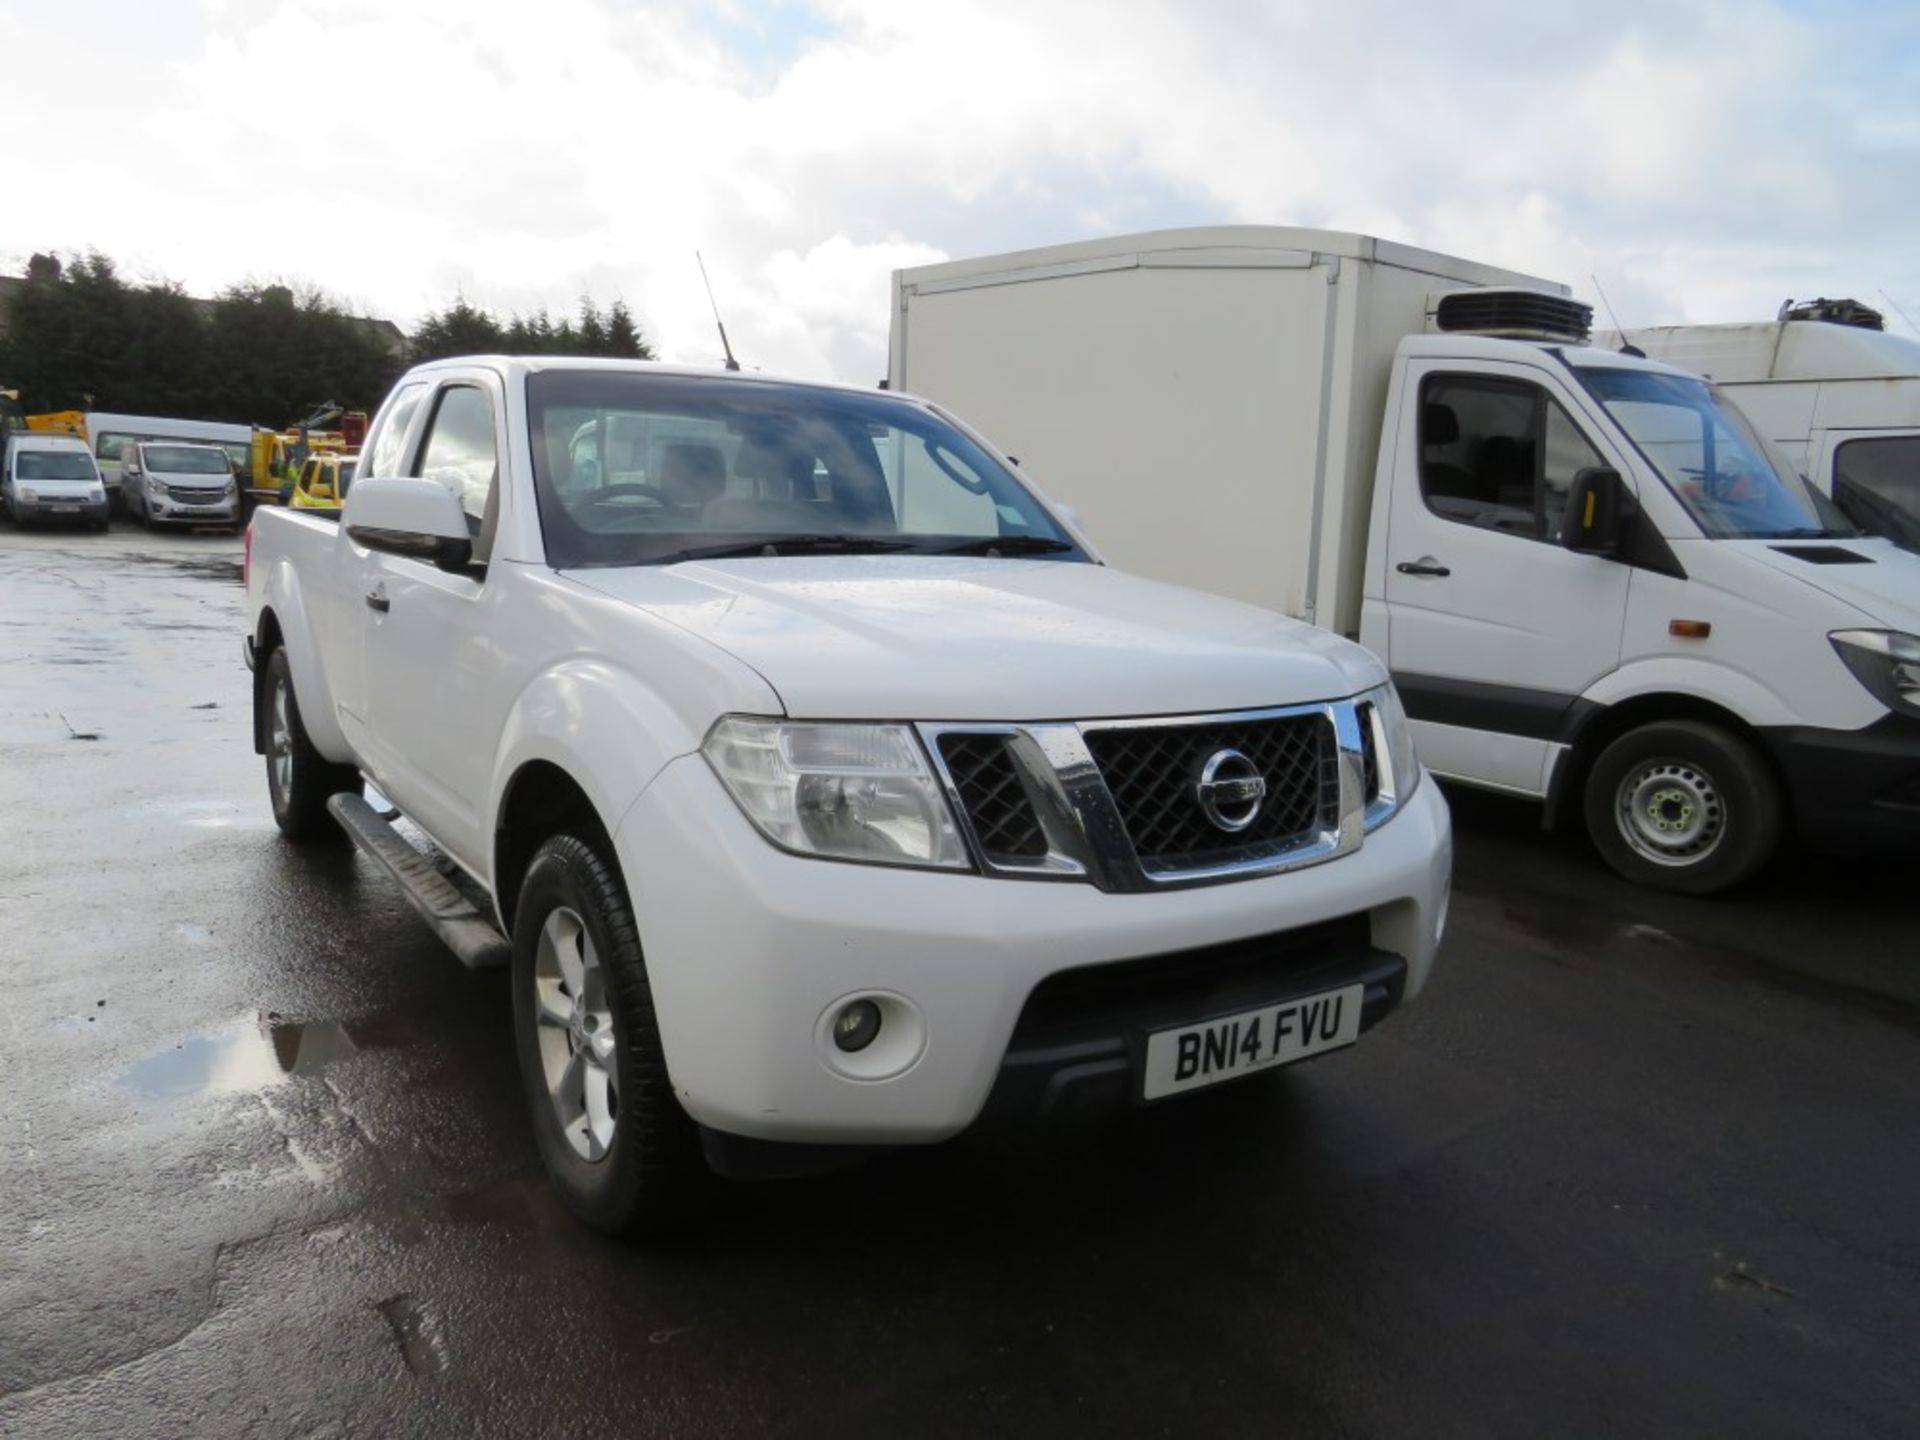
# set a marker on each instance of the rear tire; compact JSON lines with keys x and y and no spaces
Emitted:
{"x":300,"y":780}
{"x":620,"y":1150}
{"x":1683,"y":806}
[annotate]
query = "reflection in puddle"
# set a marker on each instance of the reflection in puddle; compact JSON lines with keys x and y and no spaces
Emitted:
{"x":251,"y":1054}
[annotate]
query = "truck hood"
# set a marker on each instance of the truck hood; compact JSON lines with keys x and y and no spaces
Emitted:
{"x":910,"y":637}
{"x":1885,"y":589}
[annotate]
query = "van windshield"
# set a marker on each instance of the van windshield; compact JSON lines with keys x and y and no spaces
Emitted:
{"x":636,"y":469}
{"x":52,"y":465}
{"x":187,"y":460}
{"x":1734,"y":485}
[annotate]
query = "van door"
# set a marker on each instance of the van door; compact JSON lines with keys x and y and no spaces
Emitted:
{"x":1494,"y":630}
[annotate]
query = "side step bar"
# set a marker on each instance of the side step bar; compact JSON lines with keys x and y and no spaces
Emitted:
{"x":469,"y":934}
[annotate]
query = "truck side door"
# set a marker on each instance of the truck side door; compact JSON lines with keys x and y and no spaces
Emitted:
{"x":346,"y":626}
{"x":433,"y":675}
{"x":1493,"y":630}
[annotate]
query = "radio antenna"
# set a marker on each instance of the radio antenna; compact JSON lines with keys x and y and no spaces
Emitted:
{"x":719,"y":324}
{"x":1627,"y":347}
{"x":1901,"y":313}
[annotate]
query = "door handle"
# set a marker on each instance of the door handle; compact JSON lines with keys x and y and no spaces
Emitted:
{"x":1425,"y":565}
{"x":377,"y":599}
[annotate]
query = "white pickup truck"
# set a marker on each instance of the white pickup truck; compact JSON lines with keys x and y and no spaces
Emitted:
{"x":821,"y":786}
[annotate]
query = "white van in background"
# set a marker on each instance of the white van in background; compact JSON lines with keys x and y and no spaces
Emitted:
{"x":49,"y":476}
{"x":110,"y":434}
{"x":1594,"y":584}
{"x":1828,"y":385}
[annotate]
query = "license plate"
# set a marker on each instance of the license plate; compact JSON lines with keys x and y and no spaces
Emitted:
{"x":64,"y":509}
{"x":199,"y":509}
{"x":1196,"y":1055}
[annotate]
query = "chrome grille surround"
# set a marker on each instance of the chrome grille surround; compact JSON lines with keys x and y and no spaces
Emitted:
{"x":1085,"y":826}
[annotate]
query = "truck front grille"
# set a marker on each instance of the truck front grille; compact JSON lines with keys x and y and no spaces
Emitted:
{"x":1132,"y":805}
{"x":1154,"y":775}
{"x":991,"y":793}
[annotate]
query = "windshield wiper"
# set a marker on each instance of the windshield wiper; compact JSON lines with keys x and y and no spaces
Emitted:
{"x":792,"y":545}
{"x":1006,"y":545}
{"x":1802,"y":532}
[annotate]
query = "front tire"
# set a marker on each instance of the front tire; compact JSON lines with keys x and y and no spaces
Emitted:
{"x":1683,"y":806}
{"x":620,"y":1150}
{"x":300,"y":780}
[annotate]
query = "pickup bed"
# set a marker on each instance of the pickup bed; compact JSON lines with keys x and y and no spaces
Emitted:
{"x":820,"y":785}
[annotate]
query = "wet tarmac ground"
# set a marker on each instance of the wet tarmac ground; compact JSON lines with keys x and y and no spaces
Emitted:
{"x":1635,"y":1166}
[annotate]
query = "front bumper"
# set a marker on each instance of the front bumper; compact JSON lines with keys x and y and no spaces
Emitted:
{"x":56,"y":509}
{"x":169,"y":511}
{"x":1853,"y":790}
{"x":750,"y":951}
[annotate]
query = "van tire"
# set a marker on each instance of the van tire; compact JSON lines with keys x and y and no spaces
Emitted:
{"x":1685,"y":806}
{"x":300,"y":780}
{"x":651,"y":1166}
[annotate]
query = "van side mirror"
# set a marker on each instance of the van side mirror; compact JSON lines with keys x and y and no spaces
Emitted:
{"x":420,"y":519}
{"x":1596,"y":516}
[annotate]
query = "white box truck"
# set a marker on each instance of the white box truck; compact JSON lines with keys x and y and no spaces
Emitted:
{"x":1593,"y":582}
{"x":1828,"y":385}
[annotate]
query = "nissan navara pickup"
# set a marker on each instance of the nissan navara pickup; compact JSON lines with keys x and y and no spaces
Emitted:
{"x":820,"y":785}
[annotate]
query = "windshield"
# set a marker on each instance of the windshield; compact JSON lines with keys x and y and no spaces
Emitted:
{"x":52,"y":465}
{"x":1733,"y":484}
{"x":634,"y":469}
{"x":187,"y":460}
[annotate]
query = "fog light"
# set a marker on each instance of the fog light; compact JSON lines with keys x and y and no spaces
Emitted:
{"x":856,"y":1026}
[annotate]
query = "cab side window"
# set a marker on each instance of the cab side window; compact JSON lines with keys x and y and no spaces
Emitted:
{"x":1498,"y":454}
{"x":459,"y":452}
{"x":385,"y":445}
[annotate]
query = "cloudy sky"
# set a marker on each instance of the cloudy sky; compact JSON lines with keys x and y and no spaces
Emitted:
{"x":1705,"y":160}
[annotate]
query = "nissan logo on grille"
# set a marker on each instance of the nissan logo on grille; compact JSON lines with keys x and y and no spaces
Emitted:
{"x":1230,"y":790}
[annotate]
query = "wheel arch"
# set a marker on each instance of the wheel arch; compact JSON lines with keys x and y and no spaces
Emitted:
{"x":266,"y":639}
{"x":1604,"y":724}
{"x":540,"y":799}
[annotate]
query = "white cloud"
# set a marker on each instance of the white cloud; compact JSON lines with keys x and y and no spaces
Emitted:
{"x":1694,"y":156}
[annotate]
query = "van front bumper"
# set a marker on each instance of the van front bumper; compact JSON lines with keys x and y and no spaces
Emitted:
{"x":55,"y":508}
{"x":1854,"y":790}
{"x":751,"y":951}
{"x":169,"y":511}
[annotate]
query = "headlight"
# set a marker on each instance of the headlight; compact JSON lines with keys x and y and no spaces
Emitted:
{"x":26,"y":494}
{"x":155,"y":487}
{"x":1886,"y":662}
{"x":840,"y":791}
{"x":1399,"y":767}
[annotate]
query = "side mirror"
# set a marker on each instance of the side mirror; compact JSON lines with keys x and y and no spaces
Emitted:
{"x":1597,"y":511}
{"x":416,"y":518}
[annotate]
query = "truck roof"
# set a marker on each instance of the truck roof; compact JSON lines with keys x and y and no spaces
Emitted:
{"x":1778,"y":350}
{"x":514,"y":366}
{"x":1224,"y":244}
{"x":1459,"y":346}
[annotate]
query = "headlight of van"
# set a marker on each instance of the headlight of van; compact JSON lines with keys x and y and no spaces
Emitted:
{"x":1392,"y":743}
{"x":838,"y":791}
{"x":1886,"y":662}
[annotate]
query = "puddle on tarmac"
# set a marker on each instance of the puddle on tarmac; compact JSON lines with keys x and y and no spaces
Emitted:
{"x":203,"y":814}
{"x":253,"y":1053}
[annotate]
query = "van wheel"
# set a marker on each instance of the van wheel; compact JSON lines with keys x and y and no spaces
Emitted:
{"x":1683,"y":806}
{"x":621,"y":1151}
{"x":300,"y":779}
